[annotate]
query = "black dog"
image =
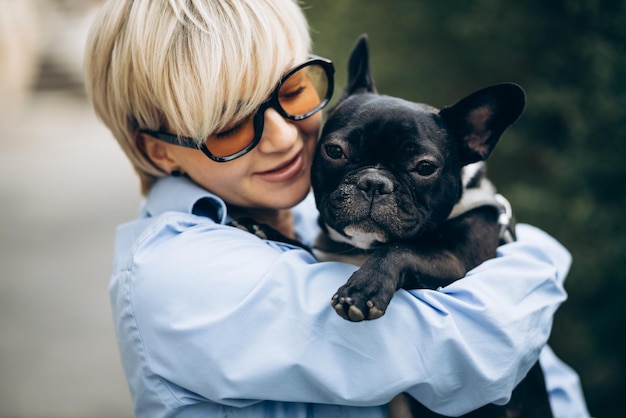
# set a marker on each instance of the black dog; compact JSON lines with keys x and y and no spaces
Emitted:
{"x":405,"y":181}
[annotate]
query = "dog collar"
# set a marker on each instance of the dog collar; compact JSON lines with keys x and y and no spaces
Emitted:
{"x":485,"y":196}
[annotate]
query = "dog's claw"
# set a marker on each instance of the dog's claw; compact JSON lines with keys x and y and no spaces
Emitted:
{"x":355,"y":314}
{"x":376,"y":313}
{"x":339,"y":309}
{"x":338,"y":305}
{"x":345,"y":308}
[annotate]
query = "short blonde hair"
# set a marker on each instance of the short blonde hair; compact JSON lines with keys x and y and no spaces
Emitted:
{"x":190,"y":66}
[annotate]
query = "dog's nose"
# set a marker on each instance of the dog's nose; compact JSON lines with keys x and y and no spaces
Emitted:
{"x":373,"y":183}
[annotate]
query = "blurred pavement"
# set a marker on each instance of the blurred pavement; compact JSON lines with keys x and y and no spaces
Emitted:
{"x":64,"y":186}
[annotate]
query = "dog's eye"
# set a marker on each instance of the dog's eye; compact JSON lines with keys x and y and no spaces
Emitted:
{"x":425,"y":168}
{"x":334,"y":152}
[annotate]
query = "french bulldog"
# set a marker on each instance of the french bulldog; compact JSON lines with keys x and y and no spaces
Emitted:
{"x":401,"y":186}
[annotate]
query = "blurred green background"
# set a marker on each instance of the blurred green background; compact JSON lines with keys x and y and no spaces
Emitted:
{"x":560,"y":165}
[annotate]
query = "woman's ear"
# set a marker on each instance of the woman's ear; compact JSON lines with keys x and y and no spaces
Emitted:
{"x":159,"y":153}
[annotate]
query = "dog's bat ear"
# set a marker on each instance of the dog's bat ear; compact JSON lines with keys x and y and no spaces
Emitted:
{"x":479,"y":119}
{"x":360,"y":78}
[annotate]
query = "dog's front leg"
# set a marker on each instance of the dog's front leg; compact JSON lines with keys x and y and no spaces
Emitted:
{"x":369,"y":290}
{"x":431,"y":268}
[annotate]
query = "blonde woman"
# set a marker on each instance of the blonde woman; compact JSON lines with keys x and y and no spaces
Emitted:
{"x":217,"y":104}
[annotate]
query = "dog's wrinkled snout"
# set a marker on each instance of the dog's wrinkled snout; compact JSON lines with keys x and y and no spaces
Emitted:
{"x":373,"y":183}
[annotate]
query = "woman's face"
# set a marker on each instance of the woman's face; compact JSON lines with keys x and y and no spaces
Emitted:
{"x":273,"y":175}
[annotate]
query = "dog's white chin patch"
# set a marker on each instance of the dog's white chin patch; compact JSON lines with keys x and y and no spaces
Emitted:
{"x":356,"y":237}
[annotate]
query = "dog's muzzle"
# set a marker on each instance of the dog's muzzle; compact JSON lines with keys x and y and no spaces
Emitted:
{"x":373,"y":183}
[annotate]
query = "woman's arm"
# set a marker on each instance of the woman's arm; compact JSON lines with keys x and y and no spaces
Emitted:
{"x":498,"y":319}
{"x":223,"y":315}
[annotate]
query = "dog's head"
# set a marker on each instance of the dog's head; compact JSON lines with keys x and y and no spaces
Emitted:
{"x":388,"y":169}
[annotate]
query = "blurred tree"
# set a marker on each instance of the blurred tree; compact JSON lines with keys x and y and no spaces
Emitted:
{"x":560,"y":165}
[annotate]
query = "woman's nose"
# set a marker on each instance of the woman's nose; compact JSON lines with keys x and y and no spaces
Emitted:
{"x":279,"y":134}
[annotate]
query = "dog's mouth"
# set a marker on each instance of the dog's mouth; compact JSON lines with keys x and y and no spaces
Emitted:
{"x":367,"y":217}
{"x":364,"y":235}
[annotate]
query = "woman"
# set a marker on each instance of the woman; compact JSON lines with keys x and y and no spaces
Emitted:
{"x":217,"y":105}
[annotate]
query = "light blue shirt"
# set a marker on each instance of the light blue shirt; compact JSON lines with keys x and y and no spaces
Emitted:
{"x":215,"y":322}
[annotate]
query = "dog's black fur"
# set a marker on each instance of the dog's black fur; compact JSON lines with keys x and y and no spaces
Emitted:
{"x":387,"y":175}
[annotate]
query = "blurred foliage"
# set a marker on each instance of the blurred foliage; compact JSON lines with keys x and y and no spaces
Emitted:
{"x":560,"y":164}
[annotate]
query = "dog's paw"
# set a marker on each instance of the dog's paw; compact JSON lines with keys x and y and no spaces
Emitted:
{"x":348,"y":309}
{"x":365,"y":296}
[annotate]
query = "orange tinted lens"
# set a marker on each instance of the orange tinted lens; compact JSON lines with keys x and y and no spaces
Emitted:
{"x":304,"y":90}
{"x":232,"y":140}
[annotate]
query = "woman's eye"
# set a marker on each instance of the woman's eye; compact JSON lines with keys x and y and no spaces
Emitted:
{"x":229,"y":132}
{"x":425,"y":168}
{"x":292,"y":94}
{"x":334,"y":152}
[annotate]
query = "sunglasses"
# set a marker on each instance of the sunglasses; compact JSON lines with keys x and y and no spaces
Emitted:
{"x":302,"y":91}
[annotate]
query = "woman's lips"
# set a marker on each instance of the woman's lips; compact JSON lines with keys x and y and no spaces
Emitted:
{"x":284,"y":172}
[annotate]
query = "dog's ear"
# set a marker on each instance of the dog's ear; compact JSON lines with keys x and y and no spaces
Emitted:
{"x":360,"y":78}
{"x":479,"y":119}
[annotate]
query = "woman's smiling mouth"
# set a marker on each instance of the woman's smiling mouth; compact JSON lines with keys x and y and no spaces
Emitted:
{"x":285,"y":171}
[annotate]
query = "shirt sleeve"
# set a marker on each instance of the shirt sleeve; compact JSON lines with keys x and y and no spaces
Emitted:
{"x":563,"y":384}
{"x":230,"y":318}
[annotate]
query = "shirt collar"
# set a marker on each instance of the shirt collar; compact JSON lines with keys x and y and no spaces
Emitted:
{"x":180,"y":194}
